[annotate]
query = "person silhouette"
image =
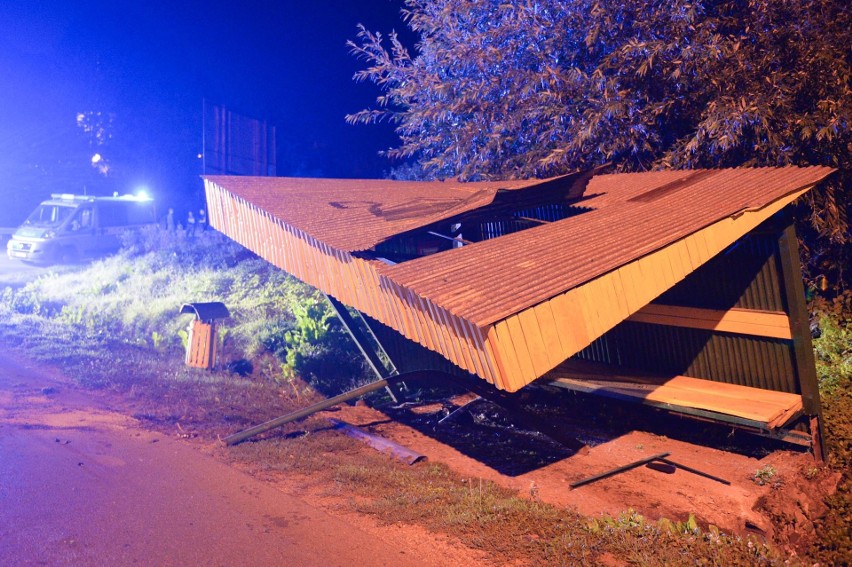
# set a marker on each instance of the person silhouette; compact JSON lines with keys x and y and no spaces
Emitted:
{"x":190,"y":224}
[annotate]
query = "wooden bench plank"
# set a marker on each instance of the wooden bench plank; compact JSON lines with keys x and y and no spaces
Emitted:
{"x":774,"y":409}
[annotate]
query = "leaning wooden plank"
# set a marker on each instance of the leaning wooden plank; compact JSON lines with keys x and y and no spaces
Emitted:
{"x":535,"y":341}
{"x":752,"y":403}
{"x":787,"y":415}
{"x":723,"y":389}
{"x":770,"y":405}
{"x":508,"y":355}
{"x":494,"y":358}
{"x":588,"y":305}
{"x":568,"y":317}
{"x":626,"y":276}
{"x":549,"y":333}
{"x":747,"y":408}
{"x":522,"y":351}
{"x":676,"y":397}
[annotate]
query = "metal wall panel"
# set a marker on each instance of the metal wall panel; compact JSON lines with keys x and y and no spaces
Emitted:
{"x":745,"y":276}
{"x":720,"y":357}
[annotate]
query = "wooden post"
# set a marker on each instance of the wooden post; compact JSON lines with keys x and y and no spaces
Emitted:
{"x":803,"y":350}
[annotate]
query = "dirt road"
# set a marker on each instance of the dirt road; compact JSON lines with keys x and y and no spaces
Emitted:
{"x":82,"y":485}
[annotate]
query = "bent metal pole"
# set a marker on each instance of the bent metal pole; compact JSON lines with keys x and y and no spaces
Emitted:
{"x":299,"y":414}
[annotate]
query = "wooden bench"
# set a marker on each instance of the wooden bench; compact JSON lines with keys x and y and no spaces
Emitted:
{"x":754,"y":407}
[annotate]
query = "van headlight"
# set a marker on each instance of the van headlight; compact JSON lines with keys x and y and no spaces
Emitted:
{"x":49,"y":234}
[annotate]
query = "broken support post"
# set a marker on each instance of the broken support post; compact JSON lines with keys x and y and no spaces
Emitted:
{"x":693,"y":471}
{"x":620,"y":469}
{"x":299,"y":414}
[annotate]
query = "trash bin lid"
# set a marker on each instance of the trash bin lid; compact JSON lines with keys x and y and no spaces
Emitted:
{"x":206,"y":311}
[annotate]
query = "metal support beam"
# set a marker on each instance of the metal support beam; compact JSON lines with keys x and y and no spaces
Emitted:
{"x":305,"y":412}
{"x":693,"y":471}
{"x":532,"y":220}
{"x":458,"y":239}
{"x":660,"y":458}
{"x":381,"y":368}
{"x":617,"y":470}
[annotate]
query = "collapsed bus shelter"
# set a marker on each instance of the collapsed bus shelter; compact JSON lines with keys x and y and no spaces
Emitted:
{"x":679,"y":289}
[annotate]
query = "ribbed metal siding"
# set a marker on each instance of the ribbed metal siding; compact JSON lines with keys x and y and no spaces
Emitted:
{"x":745,"y":276}
{"x":604,"y":349}
{"x":720,"y":357}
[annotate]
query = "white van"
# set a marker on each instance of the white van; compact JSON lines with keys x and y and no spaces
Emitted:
{"x":68,"y":227}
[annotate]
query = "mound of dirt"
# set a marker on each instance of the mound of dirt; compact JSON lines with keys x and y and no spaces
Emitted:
{"x":796,"y":501}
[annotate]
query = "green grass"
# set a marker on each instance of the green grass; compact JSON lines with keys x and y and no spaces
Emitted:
{"x":833,"y":350}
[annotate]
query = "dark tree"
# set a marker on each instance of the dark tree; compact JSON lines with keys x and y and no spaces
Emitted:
{"x":499,"y":89}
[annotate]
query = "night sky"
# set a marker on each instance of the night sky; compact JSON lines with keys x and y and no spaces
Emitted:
{"x":149,"y":65}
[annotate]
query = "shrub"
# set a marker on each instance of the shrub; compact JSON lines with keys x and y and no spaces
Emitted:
{"x":833,"y":350}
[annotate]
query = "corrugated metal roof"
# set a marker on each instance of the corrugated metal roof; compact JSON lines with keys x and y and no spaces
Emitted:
{"x":511,"y":308}
{"x":357,"y":214}
{"x":489,"y":280}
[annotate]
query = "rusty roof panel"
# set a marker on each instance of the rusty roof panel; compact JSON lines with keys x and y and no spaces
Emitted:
{"x":352,"y":280}
{"x":357,"y":214}
{"x":489,"y":280}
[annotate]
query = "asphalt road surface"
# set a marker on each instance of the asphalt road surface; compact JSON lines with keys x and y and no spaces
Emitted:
{"x":83,"y":486}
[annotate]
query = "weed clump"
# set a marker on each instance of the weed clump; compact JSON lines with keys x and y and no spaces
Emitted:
{"x":833,"y":350}
{"x":764,"y":475}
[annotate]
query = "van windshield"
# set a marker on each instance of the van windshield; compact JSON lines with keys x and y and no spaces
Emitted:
{"x":49,"y":216}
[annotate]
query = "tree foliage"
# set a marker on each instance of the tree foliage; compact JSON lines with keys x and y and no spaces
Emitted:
{"x":498,"y":89}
